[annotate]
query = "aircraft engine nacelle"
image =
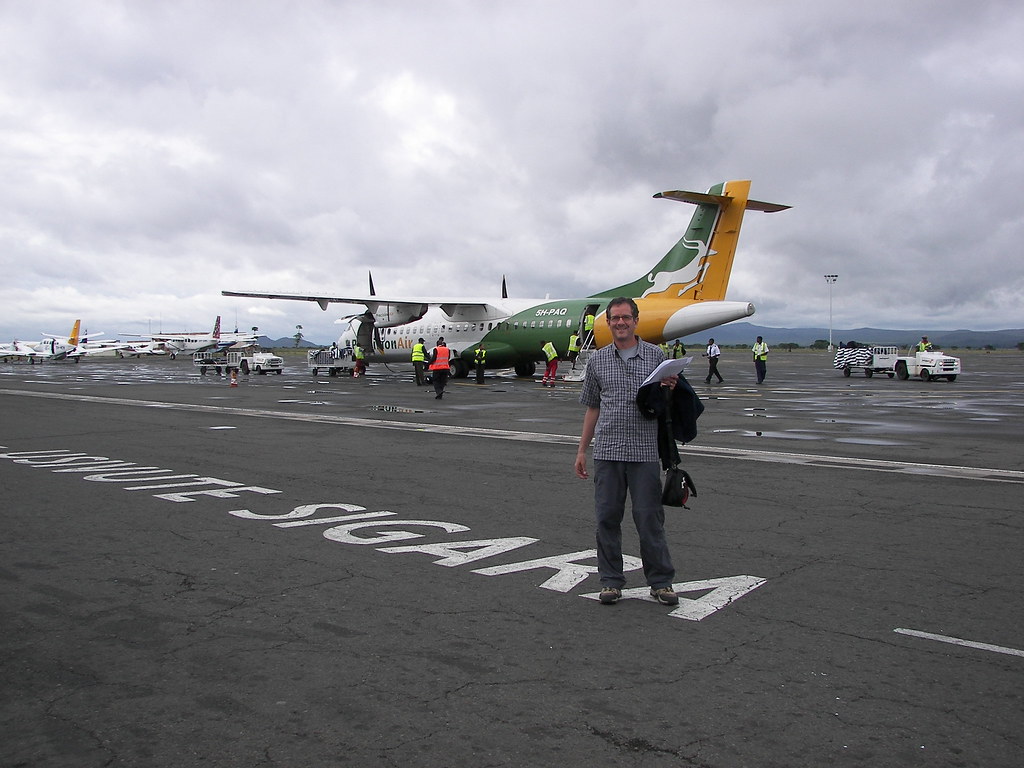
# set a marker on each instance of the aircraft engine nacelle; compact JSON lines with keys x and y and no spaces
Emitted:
{"x":388,"y":315}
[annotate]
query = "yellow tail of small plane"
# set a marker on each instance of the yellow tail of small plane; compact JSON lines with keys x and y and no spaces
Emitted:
{"x":73,"y":336}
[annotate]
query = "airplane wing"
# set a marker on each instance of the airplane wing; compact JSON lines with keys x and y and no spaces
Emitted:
{"x":373,"y":303}
{"x":22,"y":352}
{"x":81,"y":351}
{"x":390,"y":311}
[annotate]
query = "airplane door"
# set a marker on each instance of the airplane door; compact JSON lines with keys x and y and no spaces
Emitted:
{"x":587,"y":337}
{"x":368,"y":336}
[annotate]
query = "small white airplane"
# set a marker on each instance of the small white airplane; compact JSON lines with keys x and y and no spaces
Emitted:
{"x":23,"y":350}
{"x":190,"y":342}
{"x":682,"y":294}
{"x":74,"y":346}
{"x":147,"y":348}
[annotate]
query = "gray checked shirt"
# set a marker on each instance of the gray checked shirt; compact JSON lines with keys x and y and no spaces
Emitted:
{"x":610,"y":383}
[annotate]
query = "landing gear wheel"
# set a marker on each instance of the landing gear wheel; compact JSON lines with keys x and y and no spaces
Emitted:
{"x":525,"y":370}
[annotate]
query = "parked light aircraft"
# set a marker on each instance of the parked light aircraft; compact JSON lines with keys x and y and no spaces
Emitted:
{"x":144,"y":347}
{"x":176,"y":343}
{"x":682,"y":294}
{"x":52,"y":348}
{"x":74,"y":346}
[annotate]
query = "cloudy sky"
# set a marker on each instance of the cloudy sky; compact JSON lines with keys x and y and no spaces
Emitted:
{"x":155,"y":153}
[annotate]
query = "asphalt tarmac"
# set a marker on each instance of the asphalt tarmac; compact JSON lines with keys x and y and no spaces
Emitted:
{"x":347,"y":572}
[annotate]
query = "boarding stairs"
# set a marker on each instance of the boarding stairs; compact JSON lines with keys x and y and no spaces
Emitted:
{"x":575,"y":373}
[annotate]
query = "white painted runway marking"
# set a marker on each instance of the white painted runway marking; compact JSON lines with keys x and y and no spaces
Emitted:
{"x":958,"y":641}
{"x":775,"y":457}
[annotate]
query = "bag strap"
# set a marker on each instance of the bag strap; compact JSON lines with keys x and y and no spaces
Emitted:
{"x":673,"y":453}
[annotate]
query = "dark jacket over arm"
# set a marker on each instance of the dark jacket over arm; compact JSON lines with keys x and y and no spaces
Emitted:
{"x":676,"y":410}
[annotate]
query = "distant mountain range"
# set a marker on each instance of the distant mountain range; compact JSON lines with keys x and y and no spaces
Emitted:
{"x":745,"y":333}
{"x":287,"y":341}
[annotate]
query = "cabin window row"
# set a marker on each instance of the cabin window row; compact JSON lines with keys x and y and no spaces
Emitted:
{"x":516,"y":325}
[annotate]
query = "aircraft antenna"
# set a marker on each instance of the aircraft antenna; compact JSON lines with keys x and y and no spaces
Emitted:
{"x":372,"y":292}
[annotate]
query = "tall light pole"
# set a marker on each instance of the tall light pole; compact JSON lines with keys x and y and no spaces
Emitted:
{"x":830,"y":279}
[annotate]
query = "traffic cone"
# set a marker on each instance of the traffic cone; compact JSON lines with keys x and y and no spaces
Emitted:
{"x":234,"y":378}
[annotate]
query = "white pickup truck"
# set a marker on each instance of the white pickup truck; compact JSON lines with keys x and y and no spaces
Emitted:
{"x":928,"y":365}
{"x":256,"y":362}
{"x":246,"y":362}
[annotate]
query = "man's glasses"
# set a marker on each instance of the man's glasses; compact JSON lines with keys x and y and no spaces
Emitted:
{"x":619,"y":318}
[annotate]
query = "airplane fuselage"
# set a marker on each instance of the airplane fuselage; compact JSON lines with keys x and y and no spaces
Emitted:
{"x":514,"y":337}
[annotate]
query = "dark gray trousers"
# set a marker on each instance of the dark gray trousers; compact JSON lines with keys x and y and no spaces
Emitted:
{"x":642,"y":479}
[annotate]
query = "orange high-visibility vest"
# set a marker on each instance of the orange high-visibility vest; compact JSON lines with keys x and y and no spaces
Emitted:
{"x":441,"y":360}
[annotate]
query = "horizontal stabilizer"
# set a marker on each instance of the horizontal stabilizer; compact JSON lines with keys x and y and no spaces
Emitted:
{"x":703,"y":197}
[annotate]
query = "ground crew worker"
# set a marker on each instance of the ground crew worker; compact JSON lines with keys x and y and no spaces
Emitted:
{"x":551,"y":371}
{"x":760,"y":350}
{"x":479,"y":358}
{"x":419,"y":358}
{"x":678,"y":350}
{"x":360,"y":358}
{"x":924,"y":345}
{"x":588,"y":328}
{"x":440,"y":359}
{"x":574,"y":349}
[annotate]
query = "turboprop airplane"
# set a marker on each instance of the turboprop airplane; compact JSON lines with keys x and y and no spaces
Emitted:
{"x":682,"y":294}
{"x":56,"y":347}
{"x":186,"y":342}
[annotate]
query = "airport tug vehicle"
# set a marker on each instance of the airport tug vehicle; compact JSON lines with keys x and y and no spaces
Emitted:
{"x":928,"y":365}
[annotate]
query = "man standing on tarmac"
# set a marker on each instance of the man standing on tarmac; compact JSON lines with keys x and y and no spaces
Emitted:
{"x":360,"y":357}
{"x":760,"y":350}
{"x":479,"y":359}
{"x":419,"y":357}
{"x":625,"y":455}
{"x":440,"y":358}
{"x":712,"y":354}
